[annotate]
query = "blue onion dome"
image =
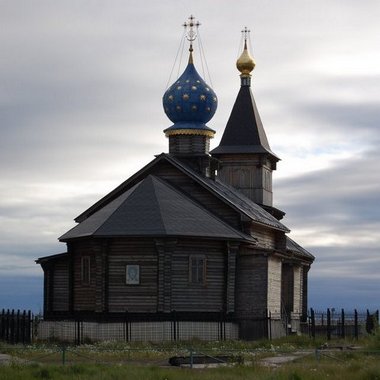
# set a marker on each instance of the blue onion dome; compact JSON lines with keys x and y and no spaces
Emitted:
{"x":189,"y":102}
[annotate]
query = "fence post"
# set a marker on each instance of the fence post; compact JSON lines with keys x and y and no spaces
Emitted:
{"x":30,"y":327}
{"x":270,"y":325}
{"x":12,"y":326}
{"x":328,"y":324}
{"x":7,"y":325}
{"x":2,"y":325}
{"x":63,"y":355}
{"x":312,"y":315}
{"x":191,"y":358}
{"x":220,"y":328}
{"x":356,"y":328}
{"x":78,"y":340}
{"x":17,"y":327}
{"x":174,"y":325}
{"x":126,"y":326}
{"x":343,"y":332}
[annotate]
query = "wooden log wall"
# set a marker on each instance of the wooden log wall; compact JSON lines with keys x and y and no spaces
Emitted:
{"x":84,"y":293}
{"x":207,"y":297}
{"x":287,"y":288}
{"x":250,"y":174}
{"x":274,"y":284}
{"x":126,"y":297}
{"x":266,"y":238}
{"x":61,"y":286}
{"x":251,"y":285}
{"x":297,"y":300}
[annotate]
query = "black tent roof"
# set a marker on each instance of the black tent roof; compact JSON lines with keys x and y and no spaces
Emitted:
{"x":244,"y":132}
{"x":153,"y":208}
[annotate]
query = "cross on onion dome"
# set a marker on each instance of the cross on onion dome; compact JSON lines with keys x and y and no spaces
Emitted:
{"x":191,"y":28}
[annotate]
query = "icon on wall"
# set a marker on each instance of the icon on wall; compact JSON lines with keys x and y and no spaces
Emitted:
{"x":133,"y":274}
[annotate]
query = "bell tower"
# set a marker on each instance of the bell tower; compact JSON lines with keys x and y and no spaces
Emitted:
{"x":246,"y":159}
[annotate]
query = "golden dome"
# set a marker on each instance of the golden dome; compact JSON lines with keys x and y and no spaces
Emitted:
{"x":245,"y":63}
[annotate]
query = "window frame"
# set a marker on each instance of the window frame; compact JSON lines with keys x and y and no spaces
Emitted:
{"x":196,"y":281}
{"x":86,"y":270}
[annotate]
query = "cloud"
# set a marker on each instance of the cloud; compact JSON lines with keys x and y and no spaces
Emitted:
{"x":80,"y":111}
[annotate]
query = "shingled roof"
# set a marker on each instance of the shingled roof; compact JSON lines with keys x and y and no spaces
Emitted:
{"x":234,"y":197}
{"x":227,"y":194}
{"x":153,"y":208}
{"x":293,"y":247}
{"x":244,"y":132}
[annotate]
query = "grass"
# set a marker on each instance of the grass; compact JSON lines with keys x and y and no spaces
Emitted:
{"x":115,"y":361}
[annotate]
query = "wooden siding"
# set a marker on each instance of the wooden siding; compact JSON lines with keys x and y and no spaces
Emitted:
{"x":187,"y":296}
{"x":232,"y":253}
{"x":84,"y":294}
{"x":250,"y":174}
{"x":287,"y":288}
{"x":251,"y":285}
{"x":61,"y":286}
{"x":132,"y":298}
{"x":188,"y":144}
{"x":280,"y":240}
{"x":266,"y":238}
{"x":305,"y":270}
{"x":297,"y":302}
{"x":274,"y":284}
{"x":47,"y":290}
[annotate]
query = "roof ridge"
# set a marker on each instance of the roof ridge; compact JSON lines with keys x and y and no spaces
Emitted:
{"x":132,"y":189}
{"x":205,"y":181}
{"x":105,"y":198}
{"x":198,"y":205}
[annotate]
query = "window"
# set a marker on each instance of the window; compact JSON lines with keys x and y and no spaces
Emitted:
{"x":85,"y":270}
{"x":197,"y":270}
{"x":132,"y":273}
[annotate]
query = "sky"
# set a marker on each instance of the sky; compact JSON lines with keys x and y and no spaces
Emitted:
{"x":80,"y":112}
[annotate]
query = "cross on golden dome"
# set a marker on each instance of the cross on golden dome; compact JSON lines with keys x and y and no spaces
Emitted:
{"x":245,"y":63}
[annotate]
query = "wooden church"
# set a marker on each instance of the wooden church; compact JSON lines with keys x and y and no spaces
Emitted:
{"x":194,"y":231}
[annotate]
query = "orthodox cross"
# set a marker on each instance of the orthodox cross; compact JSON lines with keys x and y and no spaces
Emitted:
{"x":191,"y":27}
{"x":245,"y":32}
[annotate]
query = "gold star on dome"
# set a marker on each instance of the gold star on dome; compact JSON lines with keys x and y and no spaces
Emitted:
{"x":170,"y":97}
{"x":194,"y":108}
{"x":179,"y":87}
{"x":203,"y":97}
{"x":214,"y":98}
{"x":187,"y":80}
{"x":208,"y":109}
{"x":207,"y":89}
{"x":185,"y":97}
{"x":193,"y":88}
{"x":178,"y":108}
{"x":198,"y":81}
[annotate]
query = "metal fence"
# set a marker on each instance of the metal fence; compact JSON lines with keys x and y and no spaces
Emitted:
{"x":16,"y":326}
{"x":21,"y":327}
{"x":343,"y":324}
{"x":164,"y":327}
{"x":153,"y":331}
